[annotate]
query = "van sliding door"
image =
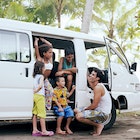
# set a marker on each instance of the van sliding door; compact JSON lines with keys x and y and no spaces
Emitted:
{"x":16,"y":82}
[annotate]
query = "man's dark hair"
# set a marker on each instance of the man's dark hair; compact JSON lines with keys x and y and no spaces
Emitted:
{"x":68,"y":51}
{"x":100,"y":74}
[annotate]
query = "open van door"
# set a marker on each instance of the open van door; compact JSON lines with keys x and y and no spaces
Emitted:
{"x":123,"y":78}
{"x":81,"y":76}
{"x":16,"y":81}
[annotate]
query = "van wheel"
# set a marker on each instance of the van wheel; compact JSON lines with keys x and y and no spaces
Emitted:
{"x":111,"y":118}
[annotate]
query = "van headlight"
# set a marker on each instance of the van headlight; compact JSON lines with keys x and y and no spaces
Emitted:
{"x":137,"y":86}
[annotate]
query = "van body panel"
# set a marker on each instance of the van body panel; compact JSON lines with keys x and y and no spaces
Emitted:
{"x":125,"y":84}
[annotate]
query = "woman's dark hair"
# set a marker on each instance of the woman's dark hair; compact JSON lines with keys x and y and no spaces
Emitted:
{"x":68,"y":51}
{"x":38,"y":68}
{"x":43,"y":49}
{"x":100,"y":74}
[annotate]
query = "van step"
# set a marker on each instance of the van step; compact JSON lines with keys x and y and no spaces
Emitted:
{"x":50,"y":115}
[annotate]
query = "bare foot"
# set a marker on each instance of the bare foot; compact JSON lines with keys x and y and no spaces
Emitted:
{"x":98,"y":130}
{"x":68,"y":131}
{"x":60,"y":132}
{"x":94,"y":132}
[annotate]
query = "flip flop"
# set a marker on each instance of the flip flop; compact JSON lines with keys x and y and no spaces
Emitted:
{"x":49,"y":133}
{"x":37,"y":134}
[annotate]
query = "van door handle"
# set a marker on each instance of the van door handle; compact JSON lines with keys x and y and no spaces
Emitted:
{"x":26,"y":72}
{"x":114,"y":73}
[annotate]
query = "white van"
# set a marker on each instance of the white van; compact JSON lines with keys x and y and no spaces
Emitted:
{"x":16,"y":68}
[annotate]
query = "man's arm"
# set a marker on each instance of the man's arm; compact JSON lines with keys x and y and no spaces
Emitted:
{"x":71,"y":92}
{"x":97,"y":98}
{"x":72,"y":70}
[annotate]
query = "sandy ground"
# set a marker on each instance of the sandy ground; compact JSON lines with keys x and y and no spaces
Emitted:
{"x":126,"y":127}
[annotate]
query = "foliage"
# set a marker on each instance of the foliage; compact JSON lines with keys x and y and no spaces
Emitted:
{"x":117,"y":20}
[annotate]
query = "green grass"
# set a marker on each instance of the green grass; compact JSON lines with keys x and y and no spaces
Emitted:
{"x":127,"y":114}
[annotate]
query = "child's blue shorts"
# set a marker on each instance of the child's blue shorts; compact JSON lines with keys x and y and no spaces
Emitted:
{"x":68,"y":112}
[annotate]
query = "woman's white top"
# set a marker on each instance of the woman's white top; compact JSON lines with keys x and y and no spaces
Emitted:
{"x":105,"y":103}
{"x":48,"y":66}
{"x":36,"y":84}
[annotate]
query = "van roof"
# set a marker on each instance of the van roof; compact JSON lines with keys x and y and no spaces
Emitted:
{"x":45,"y":29}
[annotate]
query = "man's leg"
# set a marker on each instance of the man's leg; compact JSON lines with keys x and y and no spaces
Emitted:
{"x":99,"y":127}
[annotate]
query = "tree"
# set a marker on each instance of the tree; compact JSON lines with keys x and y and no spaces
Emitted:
{"x":15,"y":10}
{"x":87,"y":16}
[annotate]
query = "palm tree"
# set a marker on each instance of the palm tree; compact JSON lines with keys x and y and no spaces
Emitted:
{"x":16,"y":11}
{"x":87,"y":16}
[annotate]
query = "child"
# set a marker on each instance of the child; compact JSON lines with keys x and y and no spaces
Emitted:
{"x":61,"y":107}
{"x":39,"y":109}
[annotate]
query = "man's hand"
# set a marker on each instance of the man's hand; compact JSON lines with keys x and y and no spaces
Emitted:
{"x":73,"y":87}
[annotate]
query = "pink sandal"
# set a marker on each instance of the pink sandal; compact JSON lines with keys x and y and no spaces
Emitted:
{"x":37,"y":134}
{"x":49,"y":133}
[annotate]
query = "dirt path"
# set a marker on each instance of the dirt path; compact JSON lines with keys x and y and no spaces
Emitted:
{"x":126,"y":127}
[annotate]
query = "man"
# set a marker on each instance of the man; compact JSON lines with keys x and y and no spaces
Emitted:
{"x":96,"y":113}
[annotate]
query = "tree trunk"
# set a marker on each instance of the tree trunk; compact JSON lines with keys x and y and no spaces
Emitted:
{"x":59,"y":10}
{"x":87,"y":16}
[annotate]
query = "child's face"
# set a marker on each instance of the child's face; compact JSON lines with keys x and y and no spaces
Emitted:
{"x":49,"y":53}
{"x":61,"y":82}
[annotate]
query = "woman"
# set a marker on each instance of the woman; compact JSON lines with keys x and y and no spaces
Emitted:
{"x":44,"y":54}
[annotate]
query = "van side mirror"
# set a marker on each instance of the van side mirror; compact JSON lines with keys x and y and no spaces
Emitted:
{"x":134,"y":66}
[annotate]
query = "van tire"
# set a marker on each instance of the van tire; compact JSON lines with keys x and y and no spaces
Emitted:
{"x":111,"y":119}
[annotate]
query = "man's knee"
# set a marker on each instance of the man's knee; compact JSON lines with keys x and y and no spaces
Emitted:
{"x":79,"y":116}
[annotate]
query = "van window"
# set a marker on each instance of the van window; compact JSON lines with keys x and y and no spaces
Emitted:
{"x":14,"y":46}
{"x":97,"y":57}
